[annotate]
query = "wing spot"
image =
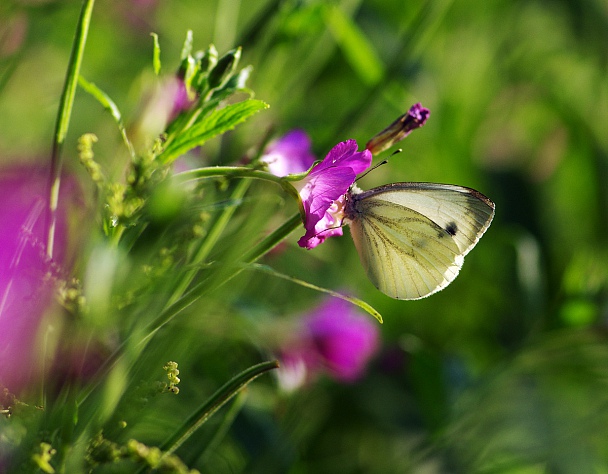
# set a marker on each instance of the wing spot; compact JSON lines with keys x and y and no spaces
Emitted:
{"x":451,"y":228}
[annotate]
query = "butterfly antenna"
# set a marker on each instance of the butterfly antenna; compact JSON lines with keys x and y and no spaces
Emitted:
{"x":377,"y":165}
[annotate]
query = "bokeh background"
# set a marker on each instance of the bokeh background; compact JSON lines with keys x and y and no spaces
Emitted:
{"x":506,"y":370}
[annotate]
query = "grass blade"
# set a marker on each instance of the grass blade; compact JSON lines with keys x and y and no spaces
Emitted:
{"x":63,"y":118}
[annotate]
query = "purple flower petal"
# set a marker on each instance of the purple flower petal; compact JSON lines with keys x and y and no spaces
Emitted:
{"x":290,"y":154}
{"x":335,"y":338}
{"x":345,"y":154}
{"x":326,"y":184}
{"x":25,"y":291}
{"x":345,"y":339}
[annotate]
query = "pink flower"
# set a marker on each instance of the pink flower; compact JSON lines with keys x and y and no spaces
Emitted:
{"x":324,"y":189}
{"x":335,"y":339}
{"x":290,"y":154}
{"x":26,"y":291}
{"x":178,"y":91}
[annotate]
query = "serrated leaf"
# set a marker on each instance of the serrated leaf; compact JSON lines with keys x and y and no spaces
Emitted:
{"x":216,"y":123}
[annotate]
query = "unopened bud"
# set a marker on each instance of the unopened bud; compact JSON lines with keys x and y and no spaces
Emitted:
{"x":399,"y":129}
{"x":224,"y":68}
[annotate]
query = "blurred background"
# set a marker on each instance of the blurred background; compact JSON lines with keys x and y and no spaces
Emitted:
{"x":506,"y":370}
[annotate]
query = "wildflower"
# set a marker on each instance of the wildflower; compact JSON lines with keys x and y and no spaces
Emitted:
{"x":290,"y":154}
{"x":324,"y":189}
{"x":334,"y":339}
{"x":414,"y":118}
{"x":25,"y":290}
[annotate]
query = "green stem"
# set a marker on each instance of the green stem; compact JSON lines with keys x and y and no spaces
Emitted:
{"x":209,"y":241}
{"x":273,"y":239}
{"x":63,"y":119}
{"x":221,"y":432}
{"x":197,"y":292}
{"x":238,"y":172}
{"x":205,"y":286}
{"x":217,"y":400}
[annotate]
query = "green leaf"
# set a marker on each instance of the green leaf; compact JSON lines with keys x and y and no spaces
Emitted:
{"x":63,"y":118}
{"x":236,"y":83}
{"x":156,"y":54}
{"x":187,"y":47}
{"x":217,"y":400}
{"x":357,"y":49}
{"x":209,"y":58}
{"x":216,"y":123}
{"x":189,"y":70}
{"x":351,"y":299}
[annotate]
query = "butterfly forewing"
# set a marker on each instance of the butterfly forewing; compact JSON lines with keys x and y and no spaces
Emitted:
{"x":412,"y":237}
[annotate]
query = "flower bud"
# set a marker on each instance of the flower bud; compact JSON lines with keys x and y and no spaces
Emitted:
{"x":224,"y":68}
{"x":399,"y":129}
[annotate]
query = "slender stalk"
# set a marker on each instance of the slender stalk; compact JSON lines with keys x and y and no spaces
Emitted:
{"x":197,"y":292}
{"x":63,"y":119}
{"x":238,"y":172}
{"x":205,"y":286}
{"x":207,"y":244}
{"x":217,"y":400}
{"x":221,"y":432}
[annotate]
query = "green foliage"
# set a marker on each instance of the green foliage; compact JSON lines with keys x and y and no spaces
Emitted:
{"x":212,"y":124}
{"x":503,"y":371}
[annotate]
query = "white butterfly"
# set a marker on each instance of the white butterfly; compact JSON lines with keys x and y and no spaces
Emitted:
{"x":412,"y":237}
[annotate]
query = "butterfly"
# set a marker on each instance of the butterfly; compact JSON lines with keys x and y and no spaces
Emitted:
{"x":412,"y":237}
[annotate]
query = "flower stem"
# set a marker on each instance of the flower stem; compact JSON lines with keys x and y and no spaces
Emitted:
{"x":237,"y":172}
{"x":194,"y":294}
{"x":205,"y":286}
{"x":209,"y":241}
{"x":63,"y":119}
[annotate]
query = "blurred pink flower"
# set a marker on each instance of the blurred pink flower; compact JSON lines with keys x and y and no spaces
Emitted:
{"x":140,"y":14}
{"x":177,"y":91}
{"x":26,"y":289}
{"x":335,"y":339}
{"x":162,"y":102}
{"x":289,"y":154}
{"x":324,"y":189}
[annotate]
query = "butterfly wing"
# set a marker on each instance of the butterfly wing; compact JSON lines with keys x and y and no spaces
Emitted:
{"x":412,"y":237}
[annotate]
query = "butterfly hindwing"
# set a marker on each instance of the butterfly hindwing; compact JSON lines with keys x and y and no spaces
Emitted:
{"x":412,"y":237}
